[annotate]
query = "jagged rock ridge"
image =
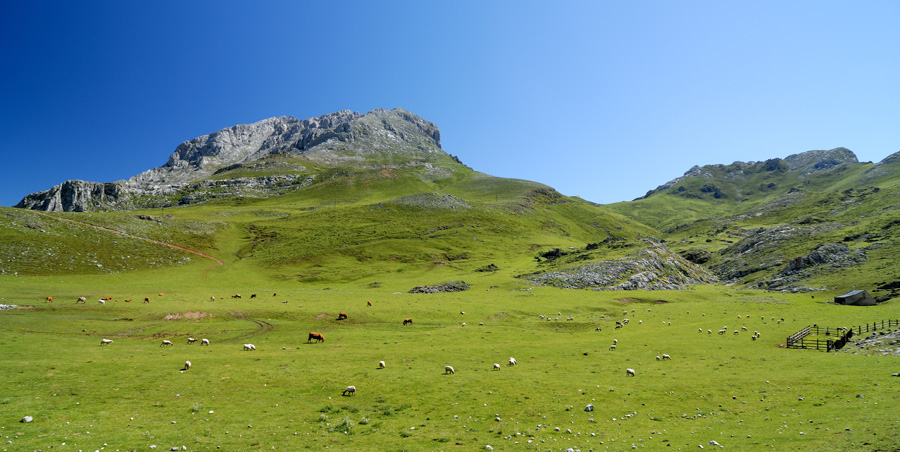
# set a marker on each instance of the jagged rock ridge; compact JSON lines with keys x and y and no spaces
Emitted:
{"x":344,"y":137}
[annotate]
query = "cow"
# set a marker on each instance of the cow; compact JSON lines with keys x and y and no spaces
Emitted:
{"x":342,"y":316}
{"x":407,"y":321}
{"x":253,"y":295}
{"x":49,"y":299}
{"x":317,"y":336}
{"x":368,"y":303}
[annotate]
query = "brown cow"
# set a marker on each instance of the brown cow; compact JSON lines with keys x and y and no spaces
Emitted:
{"x":161,"y":294}
{"x":237,"y":295}
{"x":253,"y":295}
{"x":146,"y":299}
{"x":128,"y":301}
{"x":405,"y":321}
{"x":369,"y":303}
{"x":317,"y":336}
{"x":49,"y":299}
{"x":342,"y":316}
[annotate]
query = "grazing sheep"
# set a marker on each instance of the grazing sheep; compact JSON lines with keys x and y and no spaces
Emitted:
{"x":699,"y":330}
{"x":512,"y":361}
{"x":187,"y":365}
{"x":753,"y":337}
{"x":81,"y":300}
{"x":496,"y":366}
{"x":341,"y":316}
{"x":736,"y":332}
{"x":317,"y":336}
{"x":657,"y":357}
{"x":665,"y":356}
{"x":625,"y":321}
{"x":381,"y":364}
{"x":462,"y":312}
{"x":449,"y":370}
{"x":744,"y":328}
{"x":101,"y":301}
{"x":464,"y":324}
{"x":640,"y":322}
{"x":407,"y":321}
{"x":723,"y":331}
{"x":105,"y":341}
{"x":351,"y":390}
{"x":629,"y":372}
{"x":618,"y":324}
{"x":191,"y":340}
{"x":708,"y":331}
{"x":612,"y":347}
{"x":166,"y":343}
{"x":615,"y":341}
{"x":204,"y":342}
{"x":249,"y":347}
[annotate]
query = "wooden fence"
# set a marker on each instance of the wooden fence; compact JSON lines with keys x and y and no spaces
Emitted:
{"x":838,"y":337}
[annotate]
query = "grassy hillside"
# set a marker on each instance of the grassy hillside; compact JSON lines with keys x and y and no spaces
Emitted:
{"x":354,"y":236}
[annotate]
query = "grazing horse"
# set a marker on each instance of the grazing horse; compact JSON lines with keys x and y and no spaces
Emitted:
{"x":405,"y":321}
{"x":342,"y":316}
{"x":317,"y":336}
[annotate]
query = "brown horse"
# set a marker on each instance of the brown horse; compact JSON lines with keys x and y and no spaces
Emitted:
{"x":317,"y":336}
{"x":405,"y":321}
{"x":342,"y":316}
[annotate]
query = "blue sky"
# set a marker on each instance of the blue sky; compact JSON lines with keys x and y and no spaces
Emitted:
{"x":603,"y":100}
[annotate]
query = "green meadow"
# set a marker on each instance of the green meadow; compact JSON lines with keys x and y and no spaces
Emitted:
{"x":287,"y":394}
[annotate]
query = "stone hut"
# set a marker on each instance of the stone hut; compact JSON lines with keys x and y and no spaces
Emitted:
{"x":856,"y":298}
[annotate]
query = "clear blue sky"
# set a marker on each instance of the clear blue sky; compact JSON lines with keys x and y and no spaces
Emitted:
{"x":599,"y":99}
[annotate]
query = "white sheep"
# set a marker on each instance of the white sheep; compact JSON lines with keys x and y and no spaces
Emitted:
{"x":101,"y":301}
{"x":744,"y":328}
{"x":249,"y":347}
{"x":753,"y":337}
{"x":615,"y":341}
{"x":464,"y":324}
{"x":665,"y":356}
{"x":191,"y":340}
{"x":723,"y":331}
{"x":204,"y":342}
{"x":166,"y":343}
{"x":187,"y":365}
{"x":736,"y":332}
{"x":708,"y":331}
{"x":699,"y":330}
{"x":496,"y":366}
{"x":105,"y":341}
{"x":512,"y":361}
{"x":657,"y":357}
{"x":629,"y":372}
{"x":449,"y":370}
{"x":350,"y":390}
{"x":381,"y":364}
{"x":612,"y":347}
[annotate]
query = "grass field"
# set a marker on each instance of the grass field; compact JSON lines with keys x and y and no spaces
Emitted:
{"x":286,"y":395}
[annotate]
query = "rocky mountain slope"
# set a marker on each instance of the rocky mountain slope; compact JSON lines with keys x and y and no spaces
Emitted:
{"x":378,"y":138}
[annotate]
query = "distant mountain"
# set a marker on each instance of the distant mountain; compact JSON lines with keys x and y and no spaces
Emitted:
{"x":378,"y":138}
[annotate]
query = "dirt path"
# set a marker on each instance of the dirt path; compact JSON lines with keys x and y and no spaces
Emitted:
{"x":131,"y":236}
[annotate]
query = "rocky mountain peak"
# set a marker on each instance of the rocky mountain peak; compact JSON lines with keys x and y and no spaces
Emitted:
{"x":343,"y":137}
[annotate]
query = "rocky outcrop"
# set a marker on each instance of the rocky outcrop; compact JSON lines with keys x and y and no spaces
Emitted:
{"x":654,"y":268}
{"x":451,"y":286}
{"x":804,"y":163}
{"x":380,"y":137}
